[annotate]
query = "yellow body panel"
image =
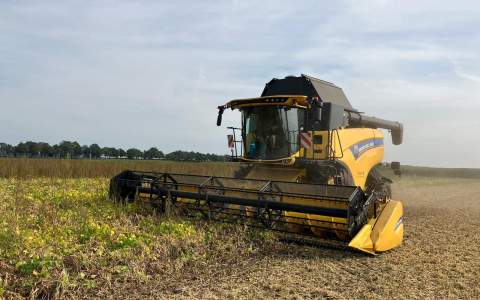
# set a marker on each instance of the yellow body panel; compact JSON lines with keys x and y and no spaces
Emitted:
{"x":319,"y":150}
{"x":361,"y":165}
{"x":363,"y":241}
{"x":388,"y":230}
{"x":383,"y":233}
{"x":340,"y":144}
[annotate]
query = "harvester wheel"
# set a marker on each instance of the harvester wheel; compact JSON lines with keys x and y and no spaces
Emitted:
{"x":378,"y":184}
{"x":121,"y":193}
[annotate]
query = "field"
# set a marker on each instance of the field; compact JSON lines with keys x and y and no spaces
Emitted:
{"x":60,"y":237}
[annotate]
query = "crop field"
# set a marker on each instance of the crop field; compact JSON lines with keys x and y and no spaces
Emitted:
{"x":61,"y":237}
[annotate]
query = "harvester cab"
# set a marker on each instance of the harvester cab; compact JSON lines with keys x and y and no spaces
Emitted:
{"x":310,"y":168}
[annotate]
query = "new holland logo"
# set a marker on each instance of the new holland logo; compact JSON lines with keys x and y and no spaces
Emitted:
{"x":360,"y":148}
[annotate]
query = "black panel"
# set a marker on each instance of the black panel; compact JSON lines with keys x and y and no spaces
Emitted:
{"x":290,"y":85}
{"x":307,"y":86}
{"x":332,"y":116}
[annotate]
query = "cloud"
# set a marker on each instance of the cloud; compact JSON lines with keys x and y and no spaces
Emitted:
{"x":151,"y":73}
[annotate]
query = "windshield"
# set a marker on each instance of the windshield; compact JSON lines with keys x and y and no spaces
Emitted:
{"x":270,"y":132}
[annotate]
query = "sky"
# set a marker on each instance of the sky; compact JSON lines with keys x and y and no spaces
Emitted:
{"x":151,"y":73}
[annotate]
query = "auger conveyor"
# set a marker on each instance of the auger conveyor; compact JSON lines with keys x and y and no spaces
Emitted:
{"x":331,"y":211}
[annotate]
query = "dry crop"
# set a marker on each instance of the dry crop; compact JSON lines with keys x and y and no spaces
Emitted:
{"x":85,"y":168}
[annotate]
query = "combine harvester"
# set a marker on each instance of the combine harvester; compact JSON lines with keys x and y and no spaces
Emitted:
{"x":310,"y":169}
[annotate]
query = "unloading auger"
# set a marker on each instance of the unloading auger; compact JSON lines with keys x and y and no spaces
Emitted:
{"x":310,"y":168}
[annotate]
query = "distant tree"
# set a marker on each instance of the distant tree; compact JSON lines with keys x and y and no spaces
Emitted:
{"x":85,"y":151}
{"x":66,"y":149}
{"x":95,"y":150}
{"x":178,"y":155}
{"x":33,"y":149}
{"x":121,"y":152}
{"x":45,"y":149}
{"x":69,"y":149}
{"x":109,"y":152}
{"x":175,"y":155}
{"x":134,"y":153}
{"x":153,"y":153}
{"x":193,"y":156}
{"x":214,"y":157}
{"x":21,"y":149}
{"x":114,"y":152}
{"x":105,"y":152}
{"x":56,"y":151}
{"x":10,"y":149}
{"x":6,"y":149}
{"x":76,"y":149}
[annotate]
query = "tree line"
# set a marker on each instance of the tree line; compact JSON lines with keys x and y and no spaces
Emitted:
{"x":69,"y":149}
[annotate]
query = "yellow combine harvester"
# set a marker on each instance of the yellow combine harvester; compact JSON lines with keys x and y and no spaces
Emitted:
{"x":310,"y":168}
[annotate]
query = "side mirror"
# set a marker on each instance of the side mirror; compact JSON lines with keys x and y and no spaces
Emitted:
{"x":220,"y":113}
{"x":397,"y":136}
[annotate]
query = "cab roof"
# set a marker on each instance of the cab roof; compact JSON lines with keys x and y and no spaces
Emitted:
{"x":307,"y":86}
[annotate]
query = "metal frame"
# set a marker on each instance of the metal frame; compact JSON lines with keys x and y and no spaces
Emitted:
{"x":264,"y":206}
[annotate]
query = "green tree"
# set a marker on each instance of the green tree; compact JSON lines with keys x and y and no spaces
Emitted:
{"x":114,"y":152}
{"x":6,"y":149}
{"x":21,"y":149}
{"x":121,"y":152}
{"x":193,"y":156}
{"x":109,"y":152}
{"x":134,"y":153}
{"x":33,"y":149}
{"x":153,"y":153}
{"x":45,"y":149}
{"x":76,"y":149}
{"x":66,"y":149}
{"x":56,"y":151}
{"x":95,"y":150}
{"x":105,"y":152}
{"x":85,"y":151}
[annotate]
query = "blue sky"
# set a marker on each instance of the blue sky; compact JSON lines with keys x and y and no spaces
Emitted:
{"x":151,"y":73}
